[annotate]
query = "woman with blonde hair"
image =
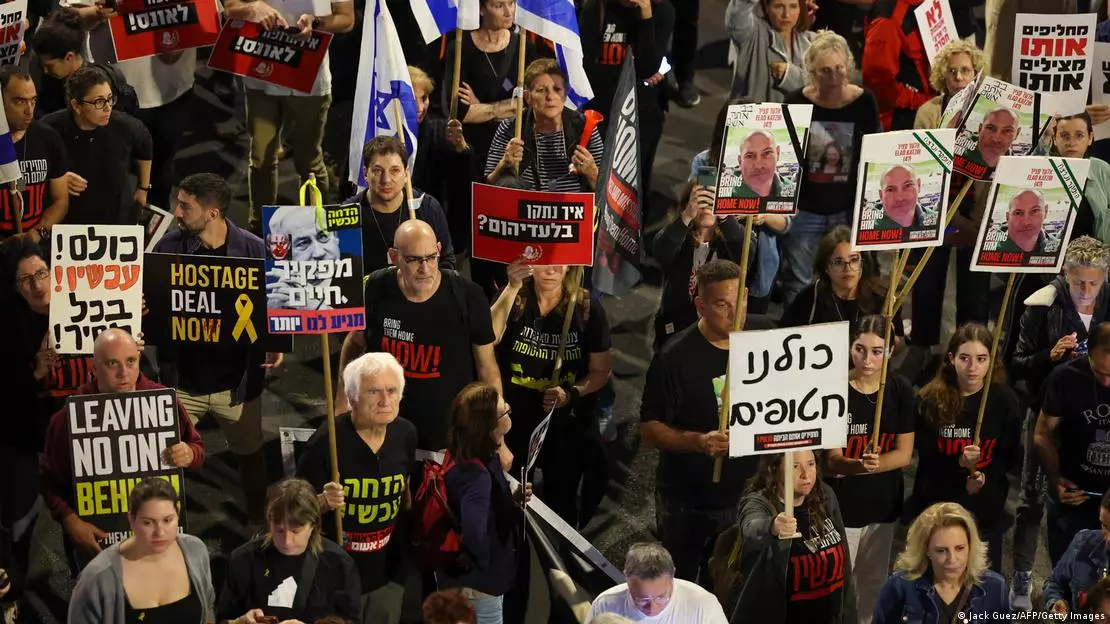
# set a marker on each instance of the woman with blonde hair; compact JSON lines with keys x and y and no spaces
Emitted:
{"x":954,"y":68}
{"x":942,"y":574}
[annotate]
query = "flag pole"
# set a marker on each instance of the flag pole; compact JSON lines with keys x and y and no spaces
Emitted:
{"x":399,"y":118}
{"x":17,"y":205}
{"x":455,"y":75}
{"x":519,"y":88}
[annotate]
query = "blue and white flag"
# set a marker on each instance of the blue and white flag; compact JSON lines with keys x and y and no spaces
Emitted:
{"x":556,"y":21}
{"x":439,"y":17}
{"x":383,"y":80}
{"x":9,"y":162}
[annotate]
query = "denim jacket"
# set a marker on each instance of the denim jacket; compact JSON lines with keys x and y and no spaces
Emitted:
{"x":1078,"y":570}
{"x":915,"y":601}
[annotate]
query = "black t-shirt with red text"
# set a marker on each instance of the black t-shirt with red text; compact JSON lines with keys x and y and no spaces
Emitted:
{"x":432,"y":341}
{"x":815,"y":571}
{"x":1083,"y":406}
{"x":940,"y":478}
{"x":868,"y":498}
{"x":42,"y":158}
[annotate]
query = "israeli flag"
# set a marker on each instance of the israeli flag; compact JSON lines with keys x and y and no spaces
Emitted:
{"x":439,"y":17}
{"x":383,"y":81}
{"x":556,"y":21}
{"x":9,"y":162}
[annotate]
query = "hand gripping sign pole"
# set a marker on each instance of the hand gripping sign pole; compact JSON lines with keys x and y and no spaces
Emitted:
{"x":737,"y":324}
{"x":17,"y":205}
{"x":325,"y":352}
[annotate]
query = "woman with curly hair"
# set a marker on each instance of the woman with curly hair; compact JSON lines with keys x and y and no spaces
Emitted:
{"x":808,"y":551}
{"x":957,"y":460}
{"x":942,"y":573}
{"x":955,"y":67}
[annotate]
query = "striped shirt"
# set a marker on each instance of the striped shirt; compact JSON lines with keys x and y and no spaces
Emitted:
{"x":552,"y":160}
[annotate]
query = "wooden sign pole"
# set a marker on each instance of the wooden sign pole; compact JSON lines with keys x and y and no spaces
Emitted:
{"x":737,"y":322}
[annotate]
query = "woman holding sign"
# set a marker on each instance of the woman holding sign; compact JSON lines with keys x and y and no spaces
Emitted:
{"x":869,"y":485}
{"x":156,"y":575}
{"x":964,"y":453}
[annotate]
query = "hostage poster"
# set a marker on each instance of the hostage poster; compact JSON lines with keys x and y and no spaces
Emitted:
{"x":313,"y":269}
{"x":901,"y":190}
{"x":1000,"y":120}
{"x":1054,"y":56}
{"x":1030,"y":213}
{"x":116,"y":441}
{"x":542,"y":228}
{"x":761,"y":159}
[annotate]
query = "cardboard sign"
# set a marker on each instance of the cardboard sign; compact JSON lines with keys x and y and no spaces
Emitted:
{"x":116,"y":441}
{"x":543,"y":228}
{"x":156,"y":222}
{"x":788,"y":389}
{"x":1030,"y":213}
{"x":275,"y":56}
{"x":13,"y":27}
{"x":1100,"y":85}
{"x":902,"y":189}
{"x":760,"y":165}
{"x":204,"y":300}
{"x":999,"y":120}
{"x":1054,"y":54}
{"x":97,"y":277}
{"x":937,"y":28}
{"x":313,"y":269}
{"x":158,"y":27}
{"x":535,"y":441}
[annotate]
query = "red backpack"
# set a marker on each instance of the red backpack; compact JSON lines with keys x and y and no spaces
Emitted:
{"x":436,"y":532}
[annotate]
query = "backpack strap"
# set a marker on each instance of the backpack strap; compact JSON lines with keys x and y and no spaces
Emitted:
{"x":306,"y":580}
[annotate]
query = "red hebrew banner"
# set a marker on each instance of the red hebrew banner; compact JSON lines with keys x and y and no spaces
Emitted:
{"x":275,"y":56}
{"x":543,"y":228}
{"x":156,"y":26}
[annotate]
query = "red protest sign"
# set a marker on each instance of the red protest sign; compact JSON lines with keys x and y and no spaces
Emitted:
{"x":543,"y":228}
{"x":274,"y":56}
{"x":152,"y":27}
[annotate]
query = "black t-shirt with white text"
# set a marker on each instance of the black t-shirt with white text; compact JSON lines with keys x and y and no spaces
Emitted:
{"x":869,"y":498}
{"x":1073,"y":395}
{"x":432,"y":342}
{"x":374,"y":491}
{"x":815,"y":572}
{"x":42,"y":158}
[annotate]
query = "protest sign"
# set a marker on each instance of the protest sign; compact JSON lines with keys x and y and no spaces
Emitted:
{"x":902,"y":185}
{"x":760,"y":165}
{"x":273,"y":56}
{"x":204,"y":300}
{"x":543,"y":228}
{"x":1100,"y":85}
{"x":97,"y":277}
{"x":1000,"y":120}
{"x":116,"y":441}
{"x":158,"y":27}
{"x":1053,"y":54}
{"x":535,"y":441}
{"x":156,"y":222}
{"x":313,"y":269}
{"x":1030,"y":213}
{"x":13,"y":27}
{"x":937,"y":28}
{"x":788,"y":389}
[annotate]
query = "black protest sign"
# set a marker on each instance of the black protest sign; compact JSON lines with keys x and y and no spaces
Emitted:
{"x":116,"y":441}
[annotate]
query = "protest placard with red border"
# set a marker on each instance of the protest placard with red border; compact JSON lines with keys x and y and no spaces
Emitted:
{"x":543,"y":228}
{"x":13,"y":26}
{"x":275,"y":56}
{"x":155,"y":27}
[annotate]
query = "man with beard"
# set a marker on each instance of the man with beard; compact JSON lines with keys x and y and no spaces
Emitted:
{"x":224,"y":381}
{"x":1023,"y":223}
{"x":997,"y":132}
{"x":42,"y":162}
{"x":758,"y":159}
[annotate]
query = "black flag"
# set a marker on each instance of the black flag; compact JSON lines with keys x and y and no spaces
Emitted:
{"x":617,"y":252}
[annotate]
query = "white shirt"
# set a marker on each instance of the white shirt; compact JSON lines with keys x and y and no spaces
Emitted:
{"x":292,"y":10}
{"x":689,"y":604}
{"x":1086,"y":318}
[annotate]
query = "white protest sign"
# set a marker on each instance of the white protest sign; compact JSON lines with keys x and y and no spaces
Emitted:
{"x":13,"y":27}
{"x":788,"y":389}
{"x":1100,"y":85}
{"x":1054,"y":54}
{"x":938,"y":29}
{"x":535,"y":441}
{"x":97,"y":281}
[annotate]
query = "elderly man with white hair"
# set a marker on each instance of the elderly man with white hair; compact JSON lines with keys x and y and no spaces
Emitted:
{"x":376,"y":450}
{"x":653,"y":594}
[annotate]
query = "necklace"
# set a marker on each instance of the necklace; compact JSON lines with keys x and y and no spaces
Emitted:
{"x":866,"y":395}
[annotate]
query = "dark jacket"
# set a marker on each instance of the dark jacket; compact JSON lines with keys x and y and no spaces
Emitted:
{"x":56,"y":462}
{"x":895,"y":66}
{"x":241,"y":243}
{"x":914,"y":602}
{"x":428,"y":211}
{"x":764,"y":559}
{"x":334,"y":588}
{"x":439,"y":170}
{"x":1082,"y":566}
{"x":1049,"y":315}
{"x":480,"y":498}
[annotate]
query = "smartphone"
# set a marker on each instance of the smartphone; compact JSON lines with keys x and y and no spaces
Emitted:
{"x":1082,"y":349}
{"x":707,"y":176}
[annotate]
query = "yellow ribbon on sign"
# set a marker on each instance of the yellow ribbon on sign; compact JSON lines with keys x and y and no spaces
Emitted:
{"x":243,"y":307}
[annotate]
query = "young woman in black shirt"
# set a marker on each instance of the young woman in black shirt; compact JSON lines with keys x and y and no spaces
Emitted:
{"x":867,"y":484}
{"x":952,"y":464}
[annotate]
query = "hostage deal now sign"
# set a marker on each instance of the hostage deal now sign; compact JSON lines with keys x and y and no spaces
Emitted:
{"x":274,"y":56}
{"x":148,"y":27}
{"x":543,"y":228}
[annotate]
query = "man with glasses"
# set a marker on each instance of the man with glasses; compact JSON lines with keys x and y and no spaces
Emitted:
{"x":104,"y":145}
{"x":43,"y":197}
{"x":436,"y":323}
{"x":652,"y":591}
{"x":383,"y":206}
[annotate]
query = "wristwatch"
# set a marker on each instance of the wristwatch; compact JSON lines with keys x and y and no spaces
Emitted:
{"x":143,"y":188}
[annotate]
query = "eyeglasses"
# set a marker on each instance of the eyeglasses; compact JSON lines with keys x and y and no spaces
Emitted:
{"x":101,"y":103}
{"x":956,"y":72}
{"x":416,"y":261}
{"x":660,"y":601}
{"x":842,"y":264}
{"x":38,"y":276}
